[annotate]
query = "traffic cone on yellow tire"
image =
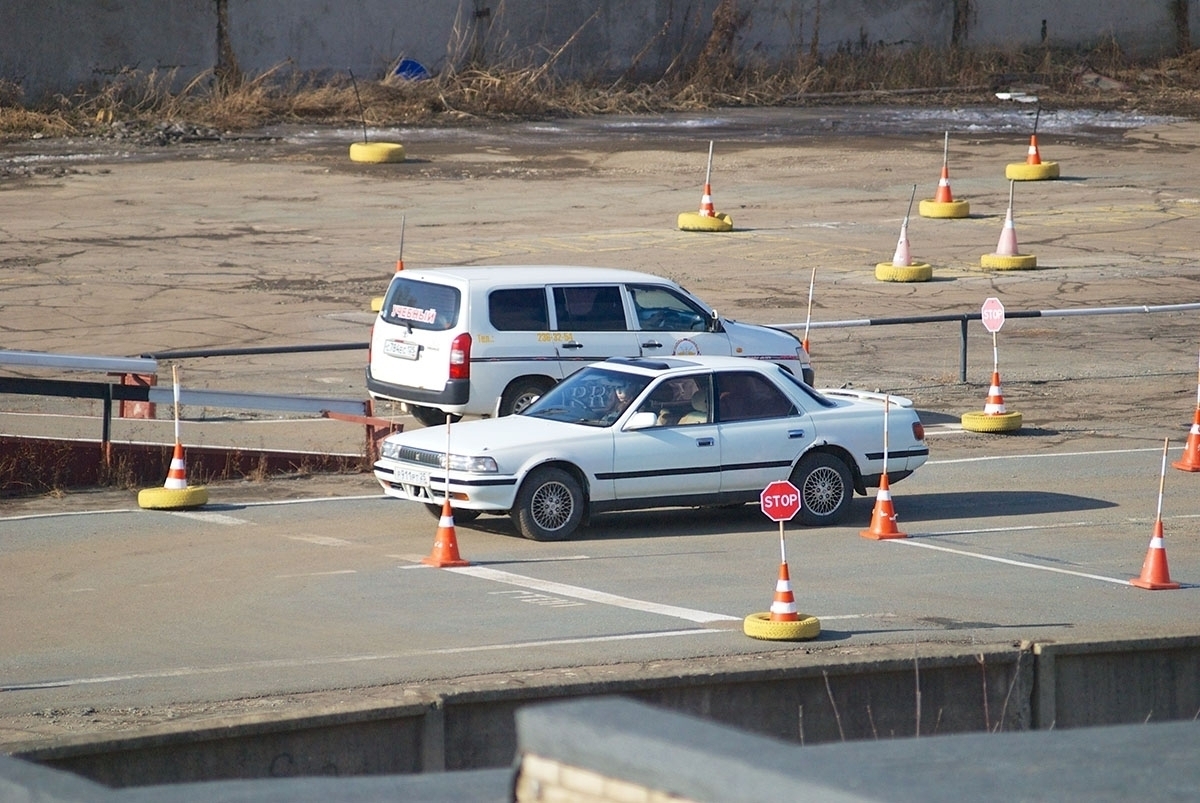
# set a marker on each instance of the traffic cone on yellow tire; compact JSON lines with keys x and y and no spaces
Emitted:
{"x":1006,"y":256}
{"x":707,"y":219}
{"x":902,"y":268}
{"x":943,"y":205}
{"x":783,"y":622}
{"x":175,"y":494}
{"x":995,"y":416}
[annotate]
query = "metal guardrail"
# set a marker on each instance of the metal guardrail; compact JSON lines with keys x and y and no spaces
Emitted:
{"x":350,"y":410}
{"x":965,"y":317}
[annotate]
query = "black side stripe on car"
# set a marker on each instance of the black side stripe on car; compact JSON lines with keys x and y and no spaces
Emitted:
{"x":668,"y":472}
{"x":902,"y":453}
{"x":660,"y":472}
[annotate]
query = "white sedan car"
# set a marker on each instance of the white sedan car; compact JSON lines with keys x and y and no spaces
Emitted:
{"x":638,"y":433}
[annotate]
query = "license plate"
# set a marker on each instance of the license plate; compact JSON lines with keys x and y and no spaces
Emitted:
{"x":408,"y":476}
{"x":401,"y":349}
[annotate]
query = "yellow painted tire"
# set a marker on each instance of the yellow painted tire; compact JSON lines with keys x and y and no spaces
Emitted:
{"x":887,"y":272}
{"x":1002,"y":262}
{"x":1021,"y":171}
{"x":932,"y":208}
{"x":693,"y":221}
{"x":760,"y":626}
{"x":173,"y":498}
{"x":993,"y":422}
{"x":376,"y":152}
{"x":376,"y":304}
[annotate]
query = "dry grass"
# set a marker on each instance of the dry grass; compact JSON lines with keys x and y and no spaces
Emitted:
{"x":717,"y":78}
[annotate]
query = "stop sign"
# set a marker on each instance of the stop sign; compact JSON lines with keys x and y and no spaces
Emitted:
{"x":780,"y":500}
{"x":993,"y":314}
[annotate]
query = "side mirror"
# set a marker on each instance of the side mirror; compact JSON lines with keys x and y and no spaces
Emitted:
{"x":641,"y":420}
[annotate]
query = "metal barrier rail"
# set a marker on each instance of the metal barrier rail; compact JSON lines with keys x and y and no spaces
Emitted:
{"x":963,"y":317}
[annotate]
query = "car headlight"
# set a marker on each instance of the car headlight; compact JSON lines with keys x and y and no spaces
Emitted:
{"x":471,"y":463}
{"x":390,"y":450}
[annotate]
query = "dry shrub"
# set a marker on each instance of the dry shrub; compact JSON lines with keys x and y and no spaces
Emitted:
{"x":514,"y":89}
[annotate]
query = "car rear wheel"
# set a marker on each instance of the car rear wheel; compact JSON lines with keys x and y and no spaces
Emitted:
{"x":522,"y":393}
{"x":826,"y":488}
{"x":431,"y":416}
{"x":549,"y":505}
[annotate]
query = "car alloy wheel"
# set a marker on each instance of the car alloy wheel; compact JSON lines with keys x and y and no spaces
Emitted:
{"x":549,"y":505}
{"x":826,"y":488}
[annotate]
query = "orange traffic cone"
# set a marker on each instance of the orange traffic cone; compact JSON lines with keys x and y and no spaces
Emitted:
{"x":883,"y":518}
{"x":995,"y":398}
{"x":783,"y":609}
{"x":445,"y":545}
{"x":1034,"y":158}
{"x":943,"y":194}
{"x":706,"y":202}
{"x":177,"y":473}
{"x":1155,"y":575}
{"x":1191,"y":452}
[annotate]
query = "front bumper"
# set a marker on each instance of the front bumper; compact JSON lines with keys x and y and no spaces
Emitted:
{"x":417,"y":483}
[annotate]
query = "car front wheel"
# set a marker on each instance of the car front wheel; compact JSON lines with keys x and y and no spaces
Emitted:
{"x":549,"y":505}
{"x":826,"y":488}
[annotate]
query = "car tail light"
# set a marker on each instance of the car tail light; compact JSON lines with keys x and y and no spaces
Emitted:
{"x":460,"y":356}
{"x":918,"y":430}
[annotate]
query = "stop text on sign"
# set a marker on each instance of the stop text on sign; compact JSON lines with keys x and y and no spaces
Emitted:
{"x":780,"y":501}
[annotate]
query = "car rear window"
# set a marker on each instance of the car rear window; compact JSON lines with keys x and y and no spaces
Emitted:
{"x":519,"y":310}
{"x":421,"y":305}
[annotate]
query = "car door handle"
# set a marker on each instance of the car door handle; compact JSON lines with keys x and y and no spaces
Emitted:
{"x":795,"y":433}
{"x":574,"y":344}
{"x":704,"y":441}
{"x":652,"y":344}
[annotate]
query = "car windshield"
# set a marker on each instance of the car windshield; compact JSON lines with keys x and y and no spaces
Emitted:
{"x":594,"y":397}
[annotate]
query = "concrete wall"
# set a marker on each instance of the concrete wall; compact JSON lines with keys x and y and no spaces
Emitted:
{"x":56,"y":46}
{"x":797,"y":697}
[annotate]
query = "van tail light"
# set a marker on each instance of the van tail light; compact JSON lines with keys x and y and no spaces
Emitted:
{"x":460,"y":356}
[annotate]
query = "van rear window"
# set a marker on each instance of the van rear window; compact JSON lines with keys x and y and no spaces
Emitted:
{"x":421,"y":305}
{"x":519,"y":310}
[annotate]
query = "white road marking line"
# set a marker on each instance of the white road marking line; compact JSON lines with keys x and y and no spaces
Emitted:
{"x":209,"y":518}
{"x":319,"y":540}
{"x":591,"y":595}
{"x":188,"y":671}
{"x":1010,"y":562}
{"x":986,"y":458}
{"x":315,"y":574}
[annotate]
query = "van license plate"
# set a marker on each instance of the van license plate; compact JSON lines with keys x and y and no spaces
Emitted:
{"x":398,"y":348}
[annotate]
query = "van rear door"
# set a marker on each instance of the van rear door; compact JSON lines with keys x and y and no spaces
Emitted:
{"x":411,"y":340}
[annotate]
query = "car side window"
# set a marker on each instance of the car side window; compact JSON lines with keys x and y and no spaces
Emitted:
{"x":589,"y":308}
{"x":519,"y":310}
{"x":659,"y":309}
{"x":680,"y":400}
{"x":745,"y":395}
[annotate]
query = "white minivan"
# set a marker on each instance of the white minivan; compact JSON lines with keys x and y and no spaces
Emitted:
{"x":488,"y":341}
